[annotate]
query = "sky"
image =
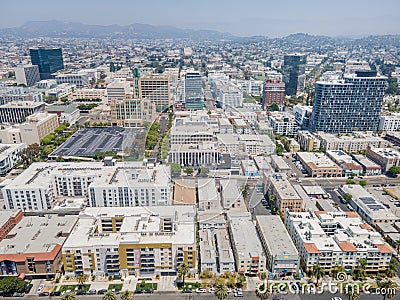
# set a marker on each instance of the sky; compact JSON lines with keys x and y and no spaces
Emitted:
{"x":276,"y":18}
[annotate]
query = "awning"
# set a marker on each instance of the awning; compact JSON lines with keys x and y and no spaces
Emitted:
{"x":21,"y":276}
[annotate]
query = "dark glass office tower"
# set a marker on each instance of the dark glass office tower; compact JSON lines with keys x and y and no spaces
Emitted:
{"x":294,"y":68}
{"x":193,"y":91}
{"x":48,"y":60}
{"x":353,"y":103}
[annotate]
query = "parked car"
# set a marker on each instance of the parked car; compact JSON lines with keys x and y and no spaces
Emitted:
{"x":55,"y":293}
{"x":18,"y":294}
{"x":40,"y":288}
{"x":91,"y":292}
{"x":187,"y":291}
{"x":148,"y":291}
{"x":201,"y":290}
{"x":28,"y":288}
{"x":101,"y":292}
{"x":211,"y":290}
{"x":43,"y":294}
{"x":81,"y":292}
{"x":138,"y":291}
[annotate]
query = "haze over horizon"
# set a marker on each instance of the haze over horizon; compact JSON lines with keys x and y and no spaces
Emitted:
{"x":249,"y":18}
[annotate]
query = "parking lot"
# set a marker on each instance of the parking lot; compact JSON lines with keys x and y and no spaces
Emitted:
{"x":87,"y":141}
{"x":378,"y":192}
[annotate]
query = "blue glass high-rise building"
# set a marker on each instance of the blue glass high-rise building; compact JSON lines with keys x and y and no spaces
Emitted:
{"x":351,"y":104}
{"x":294,"y":68}
{"x":48,"y":60}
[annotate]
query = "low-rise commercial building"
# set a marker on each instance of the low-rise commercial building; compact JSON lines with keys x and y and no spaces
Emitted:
{"x":209,"y":198}
{"x":385,"y":157}
{"x":348,"y":165}
{"x":34,"y":246}
{"x":65,"y":113}
{"x":319,"y":165}
{"x":279,"y":164}
{"x":231,"y":195}
{"x":282,"y":255}
{"x":331,"y":239}
{"x":141,"y":241}
{"x":369,"y":167}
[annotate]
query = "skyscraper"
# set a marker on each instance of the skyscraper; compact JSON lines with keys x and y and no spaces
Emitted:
{"x":48,"y":60}
{"x":273,"y":93}
{"x":294,"y":73}
{"x":353,"y":103}
{"x":27,"y":75}
{"x":193,"y":91}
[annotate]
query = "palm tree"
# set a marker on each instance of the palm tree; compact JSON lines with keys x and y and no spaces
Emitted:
{"x":127,"y":295}
{"x":240,"y":281}
{"x":221,"y":291}
{"x":318,"y":272}
{"x":397,"y":244}
{"x":109,"y":295}
{"x":81,"y":278}
{"x":183,"y":269}
{"x":389,"y":287}
{"x":352,"y":293}
{"x":69,"y":296}
{"x":362,"y":264}
{"x":392,"y":268}
{"x":336,"y":270}
{"x":262,"y":291}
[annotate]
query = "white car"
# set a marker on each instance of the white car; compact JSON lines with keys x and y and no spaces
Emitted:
{"x":201,"y":290}
{"x":40,"y":288}
{"x":211,"y":290}
{"x":336,"y":298}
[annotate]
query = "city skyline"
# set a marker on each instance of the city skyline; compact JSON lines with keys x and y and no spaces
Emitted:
{"x":238,"y":18}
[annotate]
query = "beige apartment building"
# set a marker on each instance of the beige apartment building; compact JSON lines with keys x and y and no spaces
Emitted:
{"x":156,"y":89}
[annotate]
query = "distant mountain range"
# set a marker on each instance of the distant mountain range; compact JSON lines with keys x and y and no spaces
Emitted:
{"x":59,"y":29}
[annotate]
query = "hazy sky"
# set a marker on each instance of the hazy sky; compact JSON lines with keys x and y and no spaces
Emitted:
{"x":240,"y":17}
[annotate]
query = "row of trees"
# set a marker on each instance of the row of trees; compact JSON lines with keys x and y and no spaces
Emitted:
{"x":109,"y":295}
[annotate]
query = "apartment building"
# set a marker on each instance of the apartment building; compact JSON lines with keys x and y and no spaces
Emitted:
{"x":247,"y":248}
{"x":283,"y":123}
{"x":231,"y":195}
{"x":34,"y":246}
{"x":129,"y":184}
{"x":140,"y":241}
{"x":282,"y":256}
{"x":351,"y":142}
{"x":9,"y":218}
{"x":9,"y":155}
{"x":332,"y":239}
{"x":85,"y":95}
{"x":208,"y":196}
{"x":308,"y":142}
{"x":286,"y":196}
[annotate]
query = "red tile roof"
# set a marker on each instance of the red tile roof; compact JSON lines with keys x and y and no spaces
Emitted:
{"x":366,"y":226}
{"x":385,"y":248}
{"x":352,"y":214}
{"x":311,"y":248}
{"x":347,"y":247}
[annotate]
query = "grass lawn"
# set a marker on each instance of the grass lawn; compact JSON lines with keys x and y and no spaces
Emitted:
{"x":67,"y":287}
{"x":192,"y":285}
{"x":116,"y":286}
{"x":147,"y":286}
{"x":85,"y":287}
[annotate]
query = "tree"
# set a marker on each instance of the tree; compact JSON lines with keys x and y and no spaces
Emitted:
{"x":397,"y":244}
{"x":240,"y":281}
{"x":394,"y":171}
{"x":362,"y":264}
{"x":352,"y":293}
{"x":183,"y":270}
{"x":109,"y":295}
{"x":69,"y":296}
{"x":350,"y":181}
{"x":391,"y":271}
{"x":30,"y":154}
{"x":221,"y":291}
{"x":127,"y":295}
{"x":362,"y":183}
{"x":388,"y":289}
{"x":336,"y":270}
{"x":347,"y":196}
{"x":8,"y":284}
{"x":318,"y":272}
{"x":81,"y":278}
{"x":262,"y":291}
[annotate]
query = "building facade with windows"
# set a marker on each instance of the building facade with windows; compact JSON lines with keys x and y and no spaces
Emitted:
{"x":140,"y":241}
{"x":48,"y":60}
